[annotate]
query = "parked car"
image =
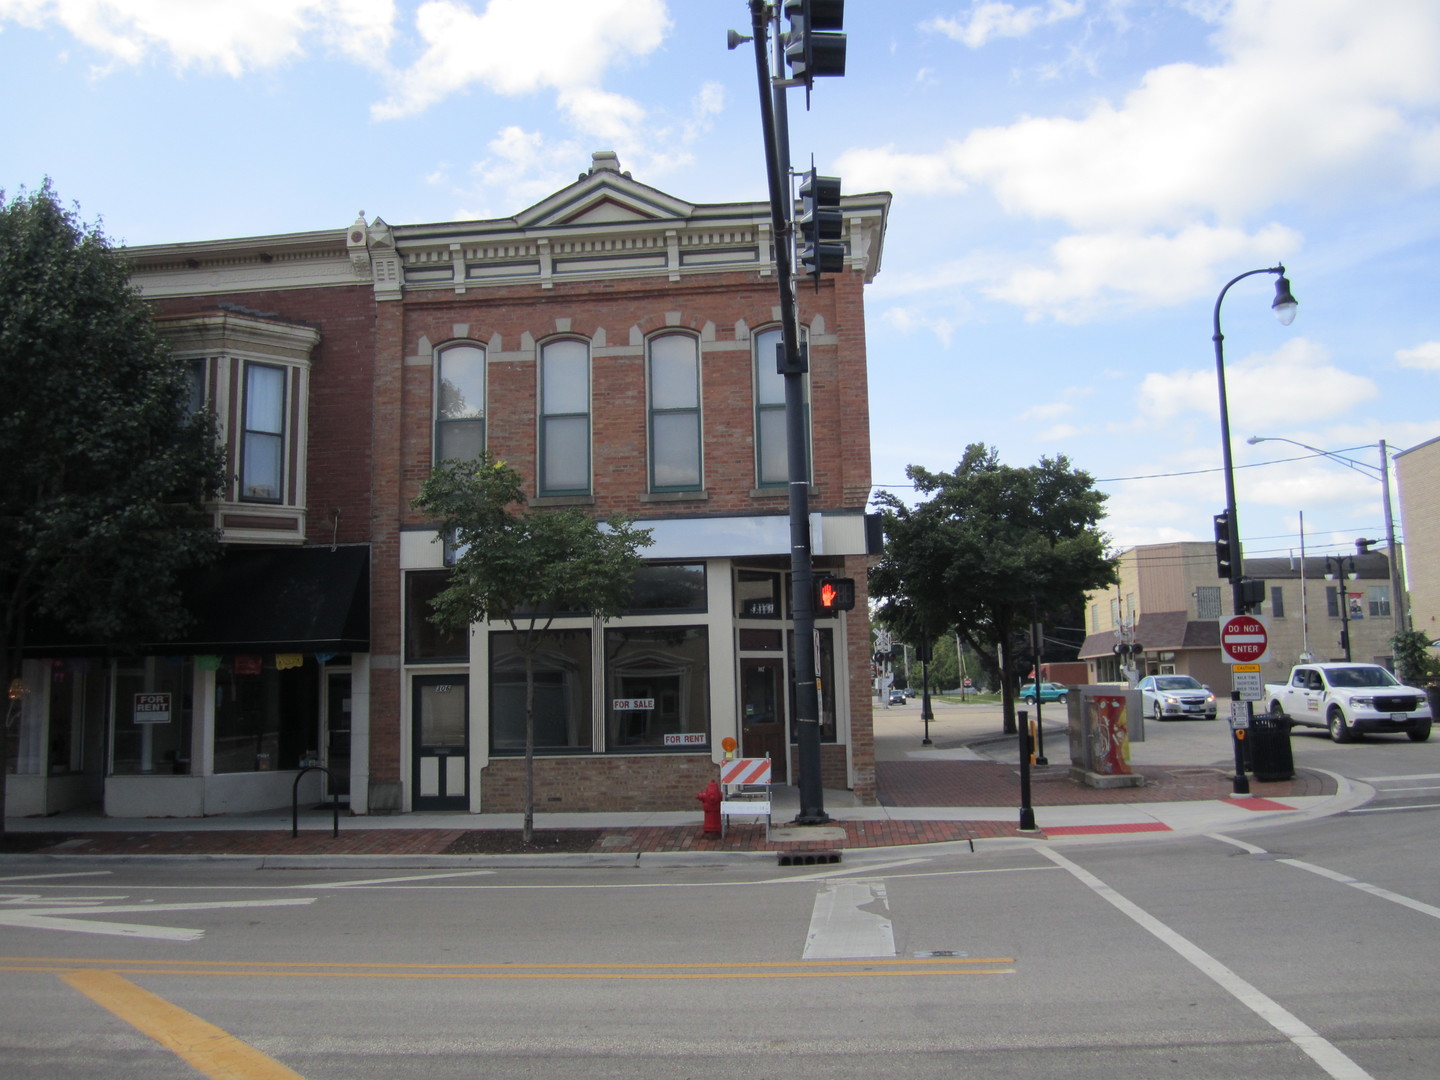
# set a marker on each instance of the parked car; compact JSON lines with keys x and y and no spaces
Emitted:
{"x":1049,"y":691}
{"x":1168,"y":696}
{"x":897,"y":697}
{"x":910,"y":691}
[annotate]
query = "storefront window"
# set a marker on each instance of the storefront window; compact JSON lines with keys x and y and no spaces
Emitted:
{"x":424,"y":641}
{"x":265,"y":718}
{"x":757,"y":594}
{"x":154,"y":710}
{"x":657,"y":684}
{"x":669,"y":587}
{"x":561,"y":668}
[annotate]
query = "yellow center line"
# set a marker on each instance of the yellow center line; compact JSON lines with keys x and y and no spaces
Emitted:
{"x":212,"y":1051}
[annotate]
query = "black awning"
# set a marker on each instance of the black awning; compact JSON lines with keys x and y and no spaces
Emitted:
{"x":308,"y":599}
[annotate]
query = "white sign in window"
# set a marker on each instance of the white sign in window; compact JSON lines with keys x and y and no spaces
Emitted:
{"x":633,"y":704}
{"x":152,"y":708}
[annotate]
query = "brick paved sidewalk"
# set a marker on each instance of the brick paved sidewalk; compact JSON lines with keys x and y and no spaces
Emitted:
{"x":975,"y":783}
{"x":899,"y":783}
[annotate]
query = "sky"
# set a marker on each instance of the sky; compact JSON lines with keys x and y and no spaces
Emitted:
{"x":1074,"y":182}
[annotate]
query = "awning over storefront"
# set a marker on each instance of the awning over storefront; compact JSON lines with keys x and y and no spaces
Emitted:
{"x":310,"y":599}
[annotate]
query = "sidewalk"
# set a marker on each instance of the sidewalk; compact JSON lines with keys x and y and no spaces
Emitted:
{"x":964,"y":787}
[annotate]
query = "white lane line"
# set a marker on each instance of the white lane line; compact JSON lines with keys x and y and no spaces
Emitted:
{"x":1417,"y":787}
{"x":850,"y":919}
{"x":1366,"y":887}
{"x":1388,"y":779}
{"x":70,"y":918}
{"x":43,"y":877}
{"x":395,"y":880}
{"x":1391,"y":809}
{"x":1343,"y":879}
{"x":1324,"y":1053}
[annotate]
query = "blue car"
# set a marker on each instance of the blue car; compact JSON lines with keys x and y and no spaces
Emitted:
{"x":1049,"y":691}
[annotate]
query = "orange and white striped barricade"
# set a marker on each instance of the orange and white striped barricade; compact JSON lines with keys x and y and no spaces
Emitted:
{"x":745,"y":783}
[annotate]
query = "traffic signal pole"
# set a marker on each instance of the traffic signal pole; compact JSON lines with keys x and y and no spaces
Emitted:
{"x":792,"y":365}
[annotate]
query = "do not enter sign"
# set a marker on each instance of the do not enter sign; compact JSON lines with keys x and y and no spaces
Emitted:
{"x":1244,"y":639}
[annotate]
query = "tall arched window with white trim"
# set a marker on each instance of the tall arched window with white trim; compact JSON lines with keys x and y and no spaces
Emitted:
{"x":459,"y":403}
{"x":674,"y":379}
{"x":565,"y":417}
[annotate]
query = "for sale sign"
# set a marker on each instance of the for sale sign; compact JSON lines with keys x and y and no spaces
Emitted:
{"x":1244,"y":639}
{"x":152,"y":708}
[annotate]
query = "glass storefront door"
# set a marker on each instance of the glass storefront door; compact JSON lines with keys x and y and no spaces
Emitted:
{"x":441,"y":754}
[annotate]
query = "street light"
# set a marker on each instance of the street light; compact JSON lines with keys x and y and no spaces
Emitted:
{"x":1339,"y":575}
{"x":1382,"y":473}
{"x":1283,"y":306}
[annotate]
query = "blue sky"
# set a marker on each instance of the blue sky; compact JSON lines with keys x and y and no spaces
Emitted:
{"x":1074,"y":181}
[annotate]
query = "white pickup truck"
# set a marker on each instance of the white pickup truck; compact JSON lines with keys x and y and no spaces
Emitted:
{"x":1350,"y":700}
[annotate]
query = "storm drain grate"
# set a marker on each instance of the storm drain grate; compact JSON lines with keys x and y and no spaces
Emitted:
{"x":809,"y":858}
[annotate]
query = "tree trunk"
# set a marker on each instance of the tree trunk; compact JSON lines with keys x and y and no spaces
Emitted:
{"x":529,"y":828}
{"x":1007,"y":677}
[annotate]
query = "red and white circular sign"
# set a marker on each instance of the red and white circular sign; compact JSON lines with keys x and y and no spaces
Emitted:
{"x":1244,"y":639}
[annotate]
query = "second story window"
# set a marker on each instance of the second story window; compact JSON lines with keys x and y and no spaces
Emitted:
{"x":1207,"y":601}
{"x":262,"y":460}
{"x":674,"y":371}
{"x":772,"y":460}
{"x":564,"y":418}
{"x":460,"y":403}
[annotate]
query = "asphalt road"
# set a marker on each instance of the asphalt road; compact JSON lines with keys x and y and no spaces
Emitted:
{"x":1301,"y":951}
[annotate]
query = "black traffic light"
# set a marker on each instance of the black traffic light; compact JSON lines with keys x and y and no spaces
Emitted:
{"x":819,"y":226}
{"x":814,"y":45}
{"x":834,"y":594}
{"x":1224,"y":559}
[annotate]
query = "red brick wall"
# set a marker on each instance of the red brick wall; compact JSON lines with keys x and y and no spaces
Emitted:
{"x":598,"y":783}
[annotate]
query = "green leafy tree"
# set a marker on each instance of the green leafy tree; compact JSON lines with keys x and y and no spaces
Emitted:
{"x":105,"y":469}
{"x":524,"y":566}
{"x":990,"y":550}
{"x":1415,"y":662}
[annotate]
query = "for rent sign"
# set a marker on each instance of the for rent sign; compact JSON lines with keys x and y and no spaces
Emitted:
{"x":152,"y":708}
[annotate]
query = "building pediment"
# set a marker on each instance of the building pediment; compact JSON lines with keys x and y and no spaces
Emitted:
{"x":604,"y":195}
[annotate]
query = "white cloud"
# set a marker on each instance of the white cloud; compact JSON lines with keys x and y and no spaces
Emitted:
{"x":1426,"y":356}
{"x":1297,"y":379}
{"x":214,"y":35}
{"x":517,"y":47}
{"x":1308,"y":98}
{"x":1090,"y":270}
{"x":991,"y":20}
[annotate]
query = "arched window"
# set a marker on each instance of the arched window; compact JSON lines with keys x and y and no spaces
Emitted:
{"x":674,"y":381}
{"x":565,"y":417}
{"x":459,"y":403}
{"x":772,"y":461}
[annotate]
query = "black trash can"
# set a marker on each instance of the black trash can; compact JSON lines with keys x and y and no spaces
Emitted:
{"x":1269,"y":741}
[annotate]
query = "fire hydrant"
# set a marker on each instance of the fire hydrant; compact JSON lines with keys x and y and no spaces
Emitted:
{"x":710,"y":801}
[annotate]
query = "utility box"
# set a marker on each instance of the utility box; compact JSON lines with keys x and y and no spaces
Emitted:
{"x":1104,"y":721}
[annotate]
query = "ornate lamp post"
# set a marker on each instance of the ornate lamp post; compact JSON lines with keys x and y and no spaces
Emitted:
{"x":1284,"y":307}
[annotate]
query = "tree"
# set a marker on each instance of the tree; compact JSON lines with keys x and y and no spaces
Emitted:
{"x":524,"y":567}
{"x":106,"y":469}
{"x":991,"y":550}
{"x":1415,"y":664}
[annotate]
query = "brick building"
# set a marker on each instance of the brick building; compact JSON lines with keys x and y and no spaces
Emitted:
{"x":613,"y":343}
{"x":1417,"y":475}
{"x":1169,"y":601}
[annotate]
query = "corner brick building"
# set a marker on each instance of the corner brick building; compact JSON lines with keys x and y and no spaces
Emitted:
{"x":614,"y":344}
